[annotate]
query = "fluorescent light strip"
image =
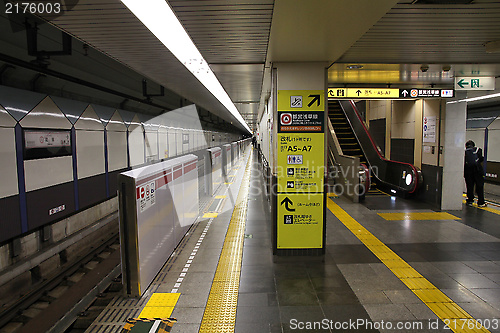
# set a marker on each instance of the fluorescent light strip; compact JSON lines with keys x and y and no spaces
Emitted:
{"x":160,"y":19}
{"x":472,"y":99}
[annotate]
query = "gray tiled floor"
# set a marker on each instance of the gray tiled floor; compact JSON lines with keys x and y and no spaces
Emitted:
{"x":461,"y":257}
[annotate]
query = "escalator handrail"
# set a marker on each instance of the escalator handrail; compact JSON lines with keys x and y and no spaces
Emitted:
{"x":414,"y":169}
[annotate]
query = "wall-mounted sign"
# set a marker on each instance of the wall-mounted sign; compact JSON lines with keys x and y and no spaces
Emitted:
{"x":388,"y":93}
{"x":300,"y":221}
{"x":475,"y":83}
{"x":46,"y":143}
{"x":429,"y":129}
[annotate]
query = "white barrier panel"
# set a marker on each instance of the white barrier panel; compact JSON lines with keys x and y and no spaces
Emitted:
{"x":154,"y":216}
{"x":226,"y":159}
{"x":213,"y":170}
{"x":234,"y":153}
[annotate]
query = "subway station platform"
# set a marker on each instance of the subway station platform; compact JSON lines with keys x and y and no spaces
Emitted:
{"x":391,"y":265}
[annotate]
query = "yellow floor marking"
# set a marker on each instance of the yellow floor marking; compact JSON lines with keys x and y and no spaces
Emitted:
{"x":448,"y":311}
{"x":418,"y":216}
{"x":332,"y":195}
{"x":160,"y":305}
{"x":210,"y":215}
{"x":228,"y":183}
{"x":220,"y":312}
{"x":489,"y":209}
{"x":220,"y":196}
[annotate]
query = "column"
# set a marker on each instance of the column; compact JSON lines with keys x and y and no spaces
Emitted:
{"x":453,"y":153}
{"x":300,"y":159}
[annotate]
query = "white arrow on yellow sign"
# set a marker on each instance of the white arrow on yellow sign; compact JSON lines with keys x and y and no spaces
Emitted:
{"x":363,"y":93}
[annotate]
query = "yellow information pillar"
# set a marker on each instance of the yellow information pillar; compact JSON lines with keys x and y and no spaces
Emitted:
{"x":300,"y":172}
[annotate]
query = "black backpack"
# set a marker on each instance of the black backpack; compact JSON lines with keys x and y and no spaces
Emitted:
{"x":472,"y":159}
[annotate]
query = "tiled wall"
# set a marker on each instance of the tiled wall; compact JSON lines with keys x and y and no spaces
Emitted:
{"x":105,"y":141}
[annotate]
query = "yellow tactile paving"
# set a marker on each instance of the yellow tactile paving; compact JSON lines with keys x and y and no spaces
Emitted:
{"x":418,"y":216}
{"x":157,"y":312}
{"x":160,"y":305}
{"x":487,"y":208}
{"x":220,"y":312}
{"x":436,"y":300}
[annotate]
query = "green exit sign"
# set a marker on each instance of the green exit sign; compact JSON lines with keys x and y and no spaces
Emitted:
{"x":475,"y":83}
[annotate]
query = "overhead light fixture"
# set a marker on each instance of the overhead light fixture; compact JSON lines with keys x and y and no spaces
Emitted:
{"x":493,"y":47}
{"x":354,"y":66}
{"x":472,"y":99}
{"x":424,"y":68}
{"x":160,"y":19}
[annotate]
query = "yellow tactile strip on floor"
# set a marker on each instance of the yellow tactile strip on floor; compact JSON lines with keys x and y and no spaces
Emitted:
{"x":220,"y":312}
{"x":418,"y":216}
{"x":160,"y":305}
{"x":448,"y":311}
{"x":489,"y":209}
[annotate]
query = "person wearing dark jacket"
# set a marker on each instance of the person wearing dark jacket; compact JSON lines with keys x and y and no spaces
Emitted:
{"x":474,"y":173}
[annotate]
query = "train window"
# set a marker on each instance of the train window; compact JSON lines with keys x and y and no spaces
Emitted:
{"x":46,"y":143}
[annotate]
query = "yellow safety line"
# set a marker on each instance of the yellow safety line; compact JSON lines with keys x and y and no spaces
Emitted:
{"x":418,"y":216}
{"x":489,"y":209}
{"x":450,"y":313}
{"x":160,"y":305}
{"x":220,"y":312}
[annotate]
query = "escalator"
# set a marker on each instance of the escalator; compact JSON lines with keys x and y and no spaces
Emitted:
{"x":355,"y":140}
{"x":346,"y":138}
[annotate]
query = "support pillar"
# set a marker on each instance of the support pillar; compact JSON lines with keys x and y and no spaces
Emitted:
{"x":300,"y":158}
{"x":453,"y":153}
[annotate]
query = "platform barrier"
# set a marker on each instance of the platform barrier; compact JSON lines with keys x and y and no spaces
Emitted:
{"x":235,"y":153}
{"x":213,"y":170}
{"x":226,"y":159}
{"x":154,"y":216}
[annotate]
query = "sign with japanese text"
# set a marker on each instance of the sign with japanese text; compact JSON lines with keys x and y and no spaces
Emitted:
{"x":301,"y":162}
{"x":300,"y":169}
{"x":429,"y":129}
{"x":300,"y":221}
{"x":387,"y":93}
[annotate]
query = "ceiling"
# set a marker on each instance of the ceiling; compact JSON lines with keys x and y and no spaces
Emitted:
{"x":389,"y":40}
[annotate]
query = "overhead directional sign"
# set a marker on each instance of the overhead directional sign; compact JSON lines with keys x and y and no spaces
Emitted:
{"x":475,"y":83}
{"x":363,"y":93}
{"x":387,"y":93}
{"x":300,"y":100}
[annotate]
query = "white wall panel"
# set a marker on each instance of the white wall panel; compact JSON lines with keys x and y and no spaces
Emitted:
{"x":476,"y":135}
{"x":48,"y":172}
{"x":89,"y":120}
{"x":90,"y":153}
{"x":163,"y":143}
{"x":178,"y":140}
{"x":46,"y":115}
{"x":493,"y":149}
{"x":495,"y":124}
{"x":6,"y":119}
{"x":117,"y":150}
{"x":172,"y":143}
{"x":151,"y":145}
{"x":136,"y":146}
{"x":8,"y":165}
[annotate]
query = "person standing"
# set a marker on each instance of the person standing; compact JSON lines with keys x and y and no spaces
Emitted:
{"x":474,"y":173}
